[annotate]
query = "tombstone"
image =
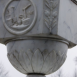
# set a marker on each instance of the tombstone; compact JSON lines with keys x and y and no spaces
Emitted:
{"x":38,"y":33}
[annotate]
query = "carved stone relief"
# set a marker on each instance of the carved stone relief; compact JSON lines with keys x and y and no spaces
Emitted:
{"x":36,"y":62}
{"x":19,"y":16}
{"x":51,"y":13}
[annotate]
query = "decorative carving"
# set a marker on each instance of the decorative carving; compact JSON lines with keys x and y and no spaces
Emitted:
{"x":37,"y":61}
{"x":19,"y":16}
{"x":51,"y":13}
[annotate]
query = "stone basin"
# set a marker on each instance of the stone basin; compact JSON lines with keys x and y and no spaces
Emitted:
{"x":37,"y":56}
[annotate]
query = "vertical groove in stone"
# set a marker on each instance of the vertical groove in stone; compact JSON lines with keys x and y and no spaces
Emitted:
{"x":37,"y":61}
{"x":15,"y":63}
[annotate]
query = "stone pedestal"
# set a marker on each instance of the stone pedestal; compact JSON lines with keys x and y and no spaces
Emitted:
{"x":38,"y":33}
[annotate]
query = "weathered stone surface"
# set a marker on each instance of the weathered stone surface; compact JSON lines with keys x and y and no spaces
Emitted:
{"x":38,"y":33}
{"x":67,"y":20}
{"x":43,"y":18}
{"x":37,"y":56}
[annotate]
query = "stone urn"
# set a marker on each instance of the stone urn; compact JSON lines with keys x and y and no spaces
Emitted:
{"x":38,"y":33}
{"x":37,"y":56}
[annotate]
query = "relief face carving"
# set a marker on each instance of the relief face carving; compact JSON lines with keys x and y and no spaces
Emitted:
{"x":51,"y":13}
{"x":19,"y":16}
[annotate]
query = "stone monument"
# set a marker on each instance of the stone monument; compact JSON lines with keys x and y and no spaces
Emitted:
{"x":38,"y":33}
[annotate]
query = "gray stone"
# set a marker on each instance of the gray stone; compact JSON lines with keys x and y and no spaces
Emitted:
{"x":45,"y":19}
{"x":38,"y":33}
{"x":37,"y":56}
{"x":67,"y":20}
{"x":38,"y":75}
